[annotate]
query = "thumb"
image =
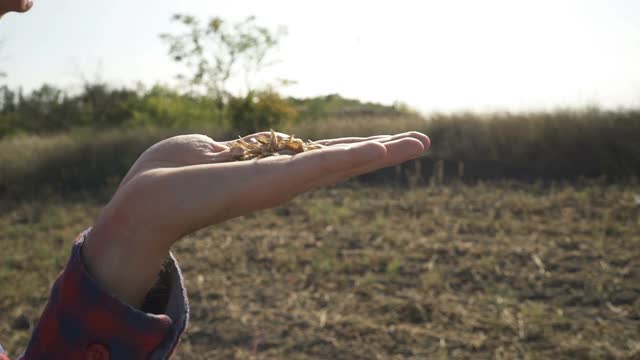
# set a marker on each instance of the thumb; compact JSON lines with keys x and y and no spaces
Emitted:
{"x":15,"y":5}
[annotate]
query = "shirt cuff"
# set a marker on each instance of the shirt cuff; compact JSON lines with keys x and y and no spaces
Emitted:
{"x":81,"y":317}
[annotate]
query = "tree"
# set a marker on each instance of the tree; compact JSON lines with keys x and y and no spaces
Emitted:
{"x":260,"y":110}
{"x":219,"y":51}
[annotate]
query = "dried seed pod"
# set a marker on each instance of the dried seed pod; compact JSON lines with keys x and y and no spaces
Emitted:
{"x":270,"y":145}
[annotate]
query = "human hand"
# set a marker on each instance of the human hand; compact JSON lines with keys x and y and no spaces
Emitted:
{"x":188,"y":182}
{"x":15,"y":5}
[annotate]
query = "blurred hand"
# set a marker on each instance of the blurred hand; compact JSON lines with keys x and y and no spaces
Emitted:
{"x":15,"y":5}
{"x":188,"y":182}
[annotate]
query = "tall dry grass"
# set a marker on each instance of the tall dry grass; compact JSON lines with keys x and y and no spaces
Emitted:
{"x":559,"y":145}
{"x":32,"y":166}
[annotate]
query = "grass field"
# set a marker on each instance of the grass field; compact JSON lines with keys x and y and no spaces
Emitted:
{"x":500,"y":270}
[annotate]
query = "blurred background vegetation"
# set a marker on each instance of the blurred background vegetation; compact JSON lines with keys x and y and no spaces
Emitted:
{"x":56,"y":142}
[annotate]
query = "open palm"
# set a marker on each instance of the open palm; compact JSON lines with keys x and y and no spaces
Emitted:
{"x":187,"y":182}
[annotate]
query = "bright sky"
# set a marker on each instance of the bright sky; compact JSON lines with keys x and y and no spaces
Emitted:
{"x":433,"y":55}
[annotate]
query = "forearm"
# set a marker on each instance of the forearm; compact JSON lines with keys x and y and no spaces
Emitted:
{"x":81,"y":317}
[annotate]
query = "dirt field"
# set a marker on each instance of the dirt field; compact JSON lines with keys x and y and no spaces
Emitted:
{"x":501,"y":271}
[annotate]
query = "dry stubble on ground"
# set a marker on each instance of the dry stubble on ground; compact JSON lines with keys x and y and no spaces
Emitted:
{"x":488,"y":271}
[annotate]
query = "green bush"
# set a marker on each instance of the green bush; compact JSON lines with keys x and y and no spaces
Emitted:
{"x":258,"y":111}
{"x":335,"y":106}
{"x":165,"y":108}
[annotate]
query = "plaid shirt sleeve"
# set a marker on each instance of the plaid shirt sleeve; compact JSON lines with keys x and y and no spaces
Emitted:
{"x":2,"y":354}
{"x":82,"y":321}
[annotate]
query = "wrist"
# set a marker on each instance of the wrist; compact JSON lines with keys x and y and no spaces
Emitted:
{"x":120,"y":263}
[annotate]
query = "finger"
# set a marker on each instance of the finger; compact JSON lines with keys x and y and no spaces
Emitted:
{"x":424,"y":139}
{"x":218,"y":146}
{"x":398,"y":151}
{"x":384,"y":139}
{"x":224,"y":154}
{"x":15,"y":5}
{"x":289,"y":175}
{"x":350,"y":140}
{"x":308,"y":166}
{"x":381,"y":138}
{"x":219,"y":157}
{"x":26,"y":5}
{"x":332,"y":164}
{"x":283,"y":177}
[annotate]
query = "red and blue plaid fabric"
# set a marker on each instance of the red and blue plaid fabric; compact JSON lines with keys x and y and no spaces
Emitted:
{"x":81,"y":321}
{"x":2,"y":354}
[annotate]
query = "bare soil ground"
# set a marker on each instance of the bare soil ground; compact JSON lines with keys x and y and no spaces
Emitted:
{"x":501,"y":271}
